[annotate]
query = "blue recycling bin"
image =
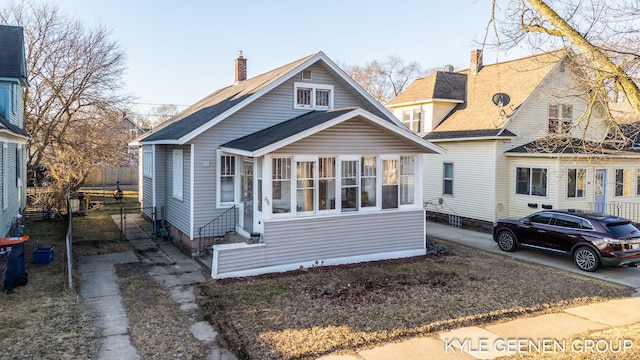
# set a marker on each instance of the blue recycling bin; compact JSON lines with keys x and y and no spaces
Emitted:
{"x":12,"y":261}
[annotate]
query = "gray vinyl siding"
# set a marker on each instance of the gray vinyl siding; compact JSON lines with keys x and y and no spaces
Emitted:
{"x":176,"y":210}
{"x":353,"y":136}
{"x":147,"y":185}
{"x":311,"y":239}
{"x":272,"y":108}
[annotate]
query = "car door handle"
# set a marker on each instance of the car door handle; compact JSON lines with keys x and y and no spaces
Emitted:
{"x":571,"y":236}
{"x":541,"y":231}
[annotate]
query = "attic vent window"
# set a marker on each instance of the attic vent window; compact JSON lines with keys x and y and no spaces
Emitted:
{"x":312,"y":96}
{"x":306,"y":74}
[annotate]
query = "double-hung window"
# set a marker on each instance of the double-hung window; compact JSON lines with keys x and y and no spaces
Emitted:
{"x":312,"y":96}
{"x":576,"y":182}
{"x":147,"y":163}
{"x":407,"y":179}
{"x":178,"y":173}
{"x":305,"y":187}
{"x":281,"y":185}
{"x":623,"y":182}
{"x":531,"y":181}
{"x":412,"y":118}
{"x":447,"y":179}
{"x":368,"y":181}
{"x":327,"y":183}
{"x":227,"y":173}
{"x":349,"y":185}
{"x":560,"y":118}
{"x":390,"y":184}
{"x":638,"y":182}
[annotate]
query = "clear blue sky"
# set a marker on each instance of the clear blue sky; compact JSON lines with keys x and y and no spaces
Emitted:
{"x":180,"y":51}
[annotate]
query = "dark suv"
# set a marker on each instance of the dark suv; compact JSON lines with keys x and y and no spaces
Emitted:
{"x":590,"y":239}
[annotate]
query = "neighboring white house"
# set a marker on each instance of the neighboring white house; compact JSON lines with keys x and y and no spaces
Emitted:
{"x":13,"y":137}
{"x":497,"y":123}
{"x":301,"y":161}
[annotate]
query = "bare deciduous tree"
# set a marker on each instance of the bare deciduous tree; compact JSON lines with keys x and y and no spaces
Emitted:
{"x":73,"y":105}
{"x":384,"y":80}
{"x":602,"y":33}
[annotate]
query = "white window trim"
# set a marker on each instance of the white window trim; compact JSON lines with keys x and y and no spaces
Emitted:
{"x":314,"y":88}
{"x":445,"y":178}
{"x":584,"y":190}
{"x":515,"y":183}
{"x":236,"y":182}
{"x":147,"y":163}
{"x":177,"y":177}
{"x":294,"y":185}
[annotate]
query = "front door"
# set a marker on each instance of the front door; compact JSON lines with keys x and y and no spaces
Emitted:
{"x":600,"y":197}
{"x":247,"y":197}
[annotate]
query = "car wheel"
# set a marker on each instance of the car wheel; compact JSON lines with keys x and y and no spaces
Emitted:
{"x":507,"y":240}
{"x":586,"y":259}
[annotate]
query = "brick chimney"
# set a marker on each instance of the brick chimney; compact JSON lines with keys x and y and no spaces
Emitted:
{"x":476,"y":61}
{"x":241,"y":68}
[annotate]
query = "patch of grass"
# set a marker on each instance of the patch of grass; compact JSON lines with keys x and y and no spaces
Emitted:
{"x":96,"y":233}
{"x":158,"y":328}
{"x":44,"y":319}
{"x":306,"y":314}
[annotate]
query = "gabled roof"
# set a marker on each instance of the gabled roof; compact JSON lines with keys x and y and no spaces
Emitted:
{"x":440,"y":85}
{"x":285,"y":133}
{"x":226,"y":101}
{"x":516,"y":78}
{"x":12,"y":58}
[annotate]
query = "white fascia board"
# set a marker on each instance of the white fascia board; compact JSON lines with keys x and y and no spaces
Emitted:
{"x":425,"y":101}
{"x":472,"y":139}
{"x":234,"y":151}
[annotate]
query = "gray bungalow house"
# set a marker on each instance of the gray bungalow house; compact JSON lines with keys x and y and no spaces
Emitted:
{"x":13,"y":137}
{"x":300,"y":161}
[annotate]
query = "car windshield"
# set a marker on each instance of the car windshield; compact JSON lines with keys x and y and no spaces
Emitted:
{"x":623,"y":230}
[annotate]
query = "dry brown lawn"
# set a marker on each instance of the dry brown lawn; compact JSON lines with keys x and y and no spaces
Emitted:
{"x":306,"y":314}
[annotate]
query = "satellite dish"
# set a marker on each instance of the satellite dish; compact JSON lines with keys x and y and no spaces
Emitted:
{"x":448,"y":68}
{"x":501,"y":99}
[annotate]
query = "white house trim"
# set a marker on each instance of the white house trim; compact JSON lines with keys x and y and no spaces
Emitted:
{"x":192,"y":171}
{"x":426,"y":101}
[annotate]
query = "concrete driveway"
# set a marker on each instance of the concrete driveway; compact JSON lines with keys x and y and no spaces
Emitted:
{"x":629,"y":276}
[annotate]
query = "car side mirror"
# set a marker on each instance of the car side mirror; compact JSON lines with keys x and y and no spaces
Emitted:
{"x":526,"y":221}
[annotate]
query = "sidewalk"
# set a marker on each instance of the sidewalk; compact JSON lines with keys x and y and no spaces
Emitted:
{"x":550,"y":333}
{"x":101,"y":294}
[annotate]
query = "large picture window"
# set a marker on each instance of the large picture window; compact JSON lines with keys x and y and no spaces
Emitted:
{"x":368,"y":181}
{"x":623,"y":182}
{"x":227,"y":178}
{"x":178,"y":173}
{"x":531,"y":181}
{"x":576,"y":183}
